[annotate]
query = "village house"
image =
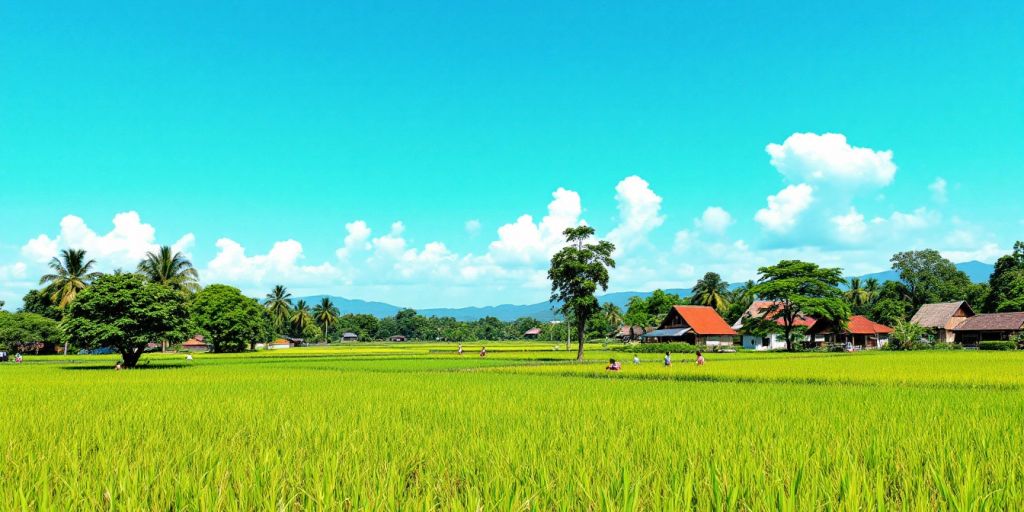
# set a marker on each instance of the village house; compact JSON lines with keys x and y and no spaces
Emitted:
{"x":195,"y":344}
{"x":860,"y":332}
{"x":349,"y":336}
{"x":989,"y":327}
{"x":631,"y":332}
{"x":699,"y":325}
{"x":770,"y":341}
{"x":532,"y":334}
{"x":283,"y":343}
{"x":943,"y":318}
{"x":397,"y":337}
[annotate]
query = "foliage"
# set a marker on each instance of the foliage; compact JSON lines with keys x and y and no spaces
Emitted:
{"x":171,"y":269}
{"x":929,"y":277}
{"x":801,"y":288}
{"x":576,"y":272}
{"x":1006,"y":271}
{"x":997,"y":345}
{"x":326,"y":314}
{"x":22,"y":329}
{"x":40,"y":303}
{"x":906,"y":335}
{"x":655,"y":305}
{"x":125,"y":312}
{"x":301,"y":319}
{"x":72,"y":273}
{"x":229,"y":320}
{"x":279,"y":303}
{"x":712,"y":291}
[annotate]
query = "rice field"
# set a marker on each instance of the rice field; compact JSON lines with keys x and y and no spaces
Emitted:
{"x":417,"y":427}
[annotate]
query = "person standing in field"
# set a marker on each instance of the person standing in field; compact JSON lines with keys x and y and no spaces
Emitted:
{"x":188,"y":358}
{"x":668,"y":359}
{"x":700,"y":358}
{"x":17,"y":357}
{"x":636,"y":359}
{"x":460,"y":349}
{"x":483,"y":351}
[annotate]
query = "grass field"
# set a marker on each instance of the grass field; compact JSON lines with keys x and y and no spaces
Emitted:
{"x":416,"y":427}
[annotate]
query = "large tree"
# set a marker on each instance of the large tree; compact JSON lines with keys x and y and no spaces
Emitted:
{"x":711,"y":290}
{"x":929,"y":277}
{"x":228,"y":319}
{"x":858,"y":296}
{"x":302,"y":318}
{"x":279,"y":304}
{"x":125,"y":312}
{"x":40,"y":303}
{"x":801,"y":288}
{"x":576,"y":272}
{"x":171,"y":269}
{"x":325,"y":314}
{"x":72,"y":273}
{"x":19,"y":330}
{"x":1007,"y":270}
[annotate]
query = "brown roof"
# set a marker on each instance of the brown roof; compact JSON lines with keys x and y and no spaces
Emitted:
{"x":761,"y":307}
{"x":195,"y":342}
{"x":636,"y":329}
{"x":994,"y":322}
{"x":704,"y":320}
{"x":937,"y":316}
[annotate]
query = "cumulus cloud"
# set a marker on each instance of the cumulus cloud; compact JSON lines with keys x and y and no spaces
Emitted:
{"x":356,"y":239}
{"x":14,"y":271}
{"x":829,"y":158}
{"x":850,"y":227}
{"x":280,"y":265}
{"x":639,"y":213}
{"x":785,"y":208}
{"x":715,"y":220}
{"x":526,"y":242}
{"x":938,"y":188}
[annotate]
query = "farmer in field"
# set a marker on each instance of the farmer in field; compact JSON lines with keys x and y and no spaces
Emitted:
{"x":483,"y":351}
{"x":668,"y":359}
{"x":700,"y":358}
{"x":460,"y":349}
{"x":613,"y":365}
{"x":188,"y":358}
{"x":636,"y":359}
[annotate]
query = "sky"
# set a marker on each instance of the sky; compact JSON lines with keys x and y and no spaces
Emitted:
{"x":429,"y":154}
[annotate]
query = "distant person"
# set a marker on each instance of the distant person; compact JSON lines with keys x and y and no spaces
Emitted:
{"x":700,"y":358}
{"x":483,"y":351}
{"x":668,"y":359}
{"x":117,"y":367}
{"x":613,"y":365}
{"x":188,"y":358}
{"x":460,"y":349}
{"x":636,"y":359}
{"x":17,"y":357}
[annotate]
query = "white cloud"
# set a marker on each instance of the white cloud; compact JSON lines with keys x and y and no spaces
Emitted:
{"x":356,"y":239}
{"x":473,"y":227}
{"x":40,"y":249}
{"x":938,"y":188}
{"x":918,"y":219}
{"x":14,"y":271}
{"x":828,"y":158}
{"x":639,"y":213}
{"x":850,"y":227}
{"x":714,"y":220}
{"x":525,"y":242}
{"x":785,"y":207}
{"x":281,"y":265}
{"x":683,"y":241}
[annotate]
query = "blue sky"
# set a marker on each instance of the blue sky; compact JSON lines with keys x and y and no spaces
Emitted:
{"x":258,"y":136}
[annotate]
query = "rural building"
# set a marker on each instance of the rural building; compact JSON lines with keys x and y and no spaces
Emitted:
{"x":349,"y":336}
{"x":397,"y":337}
{"x":532,"y":334}
{"x":943,"y":318}
{"x":772,"y":341}
{"x":195,"y":344}
{"x":859,"y":332}
{"x":699,"y":325}
{"x":989,"y":327}
{"x":631,"y":332}
{"x":281,"y":343}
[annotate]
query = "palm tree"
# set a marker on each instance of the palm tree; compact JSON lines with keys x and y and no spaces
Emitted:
{"x":170,"y":268}
{"x":873,"y":288}
{"x":326,"y":313}
{"x":301,"y":318}
{"x":72,"y":273}
{"x":712,"y":291}
{"x":612,"y":314}
{"x":744,"y":294}
{"x":856,"y":295}
{"x":279,"y":305}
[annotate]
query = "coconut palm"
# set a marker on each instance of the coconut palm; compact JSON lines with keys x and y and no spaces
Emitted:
{"x":326,"y":314}
{"x":72,"y":273}
{"x":170,"y":268}
{"x":279,"y":304}
{"x":612,"y":314}
{"x":856,"y":295}
{"x":873,"y":288}
{"x":301,"y":317}
{"x":712,"y":291}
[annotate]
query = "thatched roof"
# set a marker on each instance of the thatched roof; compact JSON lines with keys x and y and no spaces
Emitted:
{"x":937,"y":316}
{"x":994,"y":322}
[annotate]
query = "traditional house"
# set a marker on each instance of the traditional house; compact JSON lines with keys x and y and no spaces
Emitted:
{"x":349,"y":336}
{"x":281,"y":343}
{"x":989,"y":327}
{"x":699,"y":325}
{"x":771,"y":341}
{"x":532,"y":334}
{"x":631,"y":332}
{"x":860,"y":332}
{"x":397,"y":337}
{"x":196,"y":344}
{"x":943,"y":318}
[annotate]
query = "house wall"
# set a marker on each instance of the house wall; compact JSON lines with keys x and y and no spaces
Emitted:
{"x":712,"y":341}
{"x":775,"y":342}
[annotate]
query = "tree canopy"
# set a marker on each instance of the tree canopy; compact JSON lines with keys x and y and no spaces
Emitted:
{"x":801,"y":288}
{"x":928,"y":277}
{"x":170,"y":268}
{"x":125,"y":312}
{"x":576,"y":273}
{"x":19,"y":330}
{"x":72,"y":273}
{"x":229,"y":320}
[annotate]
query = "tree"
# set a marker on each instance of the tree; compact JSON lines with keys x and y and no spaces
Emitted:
{"x":301,"y":318}
{"x":228,"y":319}
{"x":906,"y":335}
{"x":326,"y":314}
{"x":125,"y":312}
{"x":858,"y":297}
{"x":1013,"y":294}
{"x":279,"y":304}
{"x":612,"y":314}
{"x":576,"y":272}
{"x":72,"y":273}
{"x":1006,"y":270}
{"x":171,"y":269}
{"x":40,"y":303}
{"x":19,"y":330}
{"x":712,"y":291}
{"x":929,"y":277}
{"x":800,"y":288}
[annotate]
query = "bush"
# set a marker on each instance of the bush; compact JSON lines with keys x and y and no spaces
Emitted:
{"x":658,"y":348}
{"x":997,"y":345}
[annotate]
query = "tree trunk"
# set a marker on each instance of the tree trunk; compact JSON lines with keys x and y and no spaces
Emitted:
{"x":789,"y":339}
{"x":580,"y":334}
{"x":131,"y":357}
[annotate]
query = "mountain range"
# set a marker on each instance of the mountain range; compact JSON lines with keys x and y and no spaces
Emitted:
{"x":976,"y":270}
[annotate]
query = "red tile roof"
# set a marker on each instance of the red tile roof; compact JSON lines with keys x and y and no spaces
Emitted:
{"x":704,"y":320}
{"x":858,"y":324}
{"x":195,"y":342}
{"x":762,"y":307}
{"x":535,"y":330}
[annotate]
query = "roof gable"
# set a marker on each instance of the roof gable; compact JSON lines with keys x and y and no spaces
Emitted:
{"x":993,"y":322}
{"x":937,"y":316}
{"x":762,"y":307}
{"x":858,"y":324}
{"x":704,"y":320}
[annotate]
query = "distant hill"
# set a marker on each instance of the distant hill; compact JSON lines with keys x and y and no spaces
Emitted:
{"x":976,"y":270}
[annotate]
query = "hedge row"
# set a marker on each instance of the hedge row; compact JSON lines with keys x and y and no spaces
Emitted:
{"x":997,"y":345}
{"x":658,"y":348}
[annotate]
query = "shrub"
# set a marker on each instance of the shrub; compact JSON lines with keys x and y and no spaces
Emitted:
{"x":997,"y":345}
{"x":658,"y":348}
